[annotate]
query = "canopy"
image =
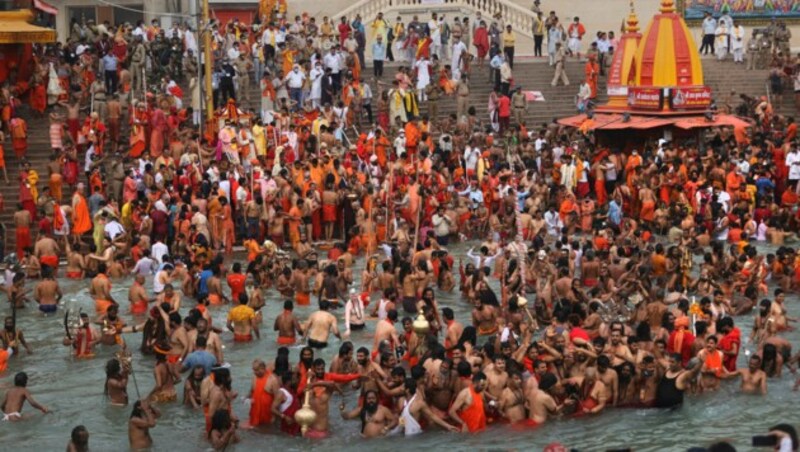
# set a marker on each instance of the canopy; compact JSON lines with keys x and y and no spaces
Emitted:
{"x":617,"y":121}
{"x":15,"y":29}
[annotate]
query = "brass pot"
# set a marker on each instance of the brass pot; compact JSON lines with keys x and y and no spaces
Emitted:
{"x":421,"y":325}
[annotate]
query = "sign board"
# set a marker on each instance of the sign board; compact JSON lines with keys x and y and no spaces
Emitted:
{"x":690,"y":98}
{"x":645,"y":98}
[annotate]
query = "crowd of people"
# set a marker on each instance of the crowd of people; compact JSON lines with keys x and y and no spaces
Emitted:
{"x":601,"y":303}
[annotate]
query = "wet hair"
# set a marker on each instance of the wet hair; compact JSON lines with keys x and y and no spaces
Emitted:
{"x":220,"y":421}
{"x":80,"y":436}
{"x":464,"y":369}
{"x":21,"y":380}
{"x":547,"y":381}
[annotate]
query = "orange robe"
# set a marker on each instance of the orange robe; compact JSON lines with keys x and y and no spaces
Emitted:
{"x":81,"y":221}
{"x":261,"y":408}
{"x":474,"y":415}
{"x":38,"y":98}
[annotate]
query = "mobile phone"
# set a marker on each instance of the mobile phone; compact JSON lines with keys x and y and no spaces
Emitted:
{"x":765,"y":441}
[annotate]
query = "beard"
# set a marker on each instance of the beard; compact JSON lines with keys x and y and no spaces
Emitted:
{"x":307,"y":362}
{"x":371,"y":407}
{"x":362,"y":362}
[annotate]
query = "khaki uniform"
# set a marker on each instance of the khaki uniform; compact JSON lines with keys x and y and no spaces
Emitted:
{"x":137,"y":67}
{"x":520,"y":105}
{"x":561,"y":73}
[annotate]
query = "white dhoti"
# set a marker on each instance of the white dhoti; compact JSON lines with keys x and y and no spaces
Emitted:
{"x":574,"y":45}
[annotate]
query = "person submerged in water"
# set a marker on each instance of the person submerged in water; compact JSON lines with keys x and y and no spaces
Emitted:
{"x":16,"y":397}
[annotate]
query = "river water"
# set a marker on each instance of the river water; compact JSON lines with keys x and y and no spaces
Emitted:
{"x":73,"y":390}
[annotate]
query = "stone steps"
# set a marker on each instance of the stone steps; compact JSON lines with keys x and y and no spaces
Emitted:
{"x":533,"y":75}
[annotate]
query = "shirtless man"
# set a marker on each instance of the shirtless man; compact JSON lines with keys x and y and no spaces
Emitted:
{"x":300,"y":283}
{"x":137,"y":296}
{"x":385,"y":331}
{"x":287,"y":325}
{"x":143,"y":418}
{"x":47,"y":251}
{"x":453,"y":327}
{"x":22,"y":225}
{"x":617,"y":351}
{"x":541,"y":402}
{"x":213,"y":341}
{"x":319,"y":326}
{"x":170,"y":296}
{"x":220,"y":396}
{"x":512,"y":401}
{"x":178,"y":340}
{"x":215,"y":294}
{"x":79,"y":440}
{"x":47,"y":292}
{"x":484,"y":318}
{"x":496,"y":380}
{"x":75,"y":263}
{"x":116,"y":388}
{"x":440,"y":386}
{"x":15,"y":399}
{"x":754,"y":380}
{"x":376,"y":420}
{"x":100,"y":290}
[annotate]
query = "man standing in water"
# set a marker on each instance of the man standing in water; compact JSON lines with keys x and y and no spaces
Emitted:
{"x":669,"y":393}
{"x":320,"y":325}
{"x":100,"y":290}
{"x":143,"y":418}
{"x":467,"y":409}
{"x":322,"y":386}
{"x":12,"y":337}
{"x":242,"y":321}
{"x":15,"y":398}
{"x":287,"y":325}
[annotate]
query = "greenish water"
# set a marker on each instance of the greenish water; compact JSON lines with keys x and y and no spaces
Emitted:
{"x":73,"y":389}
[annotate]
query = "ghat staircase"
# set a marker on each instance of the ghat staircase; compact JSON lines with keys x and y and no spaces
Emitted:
{"x":529,"y":73}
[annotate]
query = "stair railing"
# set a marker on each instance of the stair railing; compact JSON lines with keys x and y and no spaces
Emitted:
{"x":521,"y":19}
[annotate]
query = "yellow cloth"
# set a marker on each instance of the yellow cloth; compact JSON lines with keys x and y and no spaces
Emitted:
{"x":241,"y":313}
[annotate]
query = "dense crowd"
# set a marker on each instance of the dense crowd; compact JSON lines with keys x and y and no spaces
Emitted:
{"x":351,"y":198}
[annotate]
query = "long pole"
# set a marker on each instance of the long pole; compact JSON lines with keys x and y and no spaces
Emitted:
{"x":208,"y":63}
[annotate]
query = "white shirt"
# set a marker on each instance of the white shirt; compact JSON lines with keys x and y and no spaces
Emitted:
{"x":233,"y":54}
{"x":113,"y":229}
{"x":709,"y":26}
{"x":158,"y":251}
{"x":296,"y":79}
{"x":793,"y":163}
{"x":331,"y":61}
{"x":225,"y":185}
{"x":471,"y":157}
{"x":553,"y":223}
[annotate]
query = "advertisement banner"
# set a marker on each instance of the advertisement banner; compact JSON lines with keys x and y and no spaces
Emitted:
{"x":644,"y":98}
{"x":690,"y":98}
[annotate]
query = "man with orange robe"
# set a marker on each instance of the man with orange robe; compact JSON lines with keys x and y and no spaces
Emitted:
{"x":412,"y":138}
{"x":467,"y":410}
{"x":260,"y":395}
{"x":592,"y":71}
{"x":81,"y":221}
{"x":19,"y":136}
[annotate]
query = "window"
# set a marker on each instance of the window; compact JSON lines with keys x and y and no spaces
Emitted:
{"x":82,"y":13}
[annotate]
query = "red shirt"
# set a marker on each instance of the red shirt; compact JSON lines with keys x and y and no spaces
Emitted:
{"x":504,"y":106}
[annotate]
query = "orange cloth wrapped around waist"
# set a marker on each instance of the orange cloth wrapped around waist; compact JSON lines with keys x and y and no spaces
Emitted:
{"x":172,"y":359}
{"x":380,"y":232}
{"x":487,"y":331}
{"x":50,"y":261}
{"x":74,"y":275}
{"x":328,"y":213}
{"x":302,"y":298}
{"x":242,"y":337}
{"x":287,"y":340}
{"x":648,"y":210}
{"x":214,"y":299}
{"x":101,"y":306}
{"x":139,"y":307}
